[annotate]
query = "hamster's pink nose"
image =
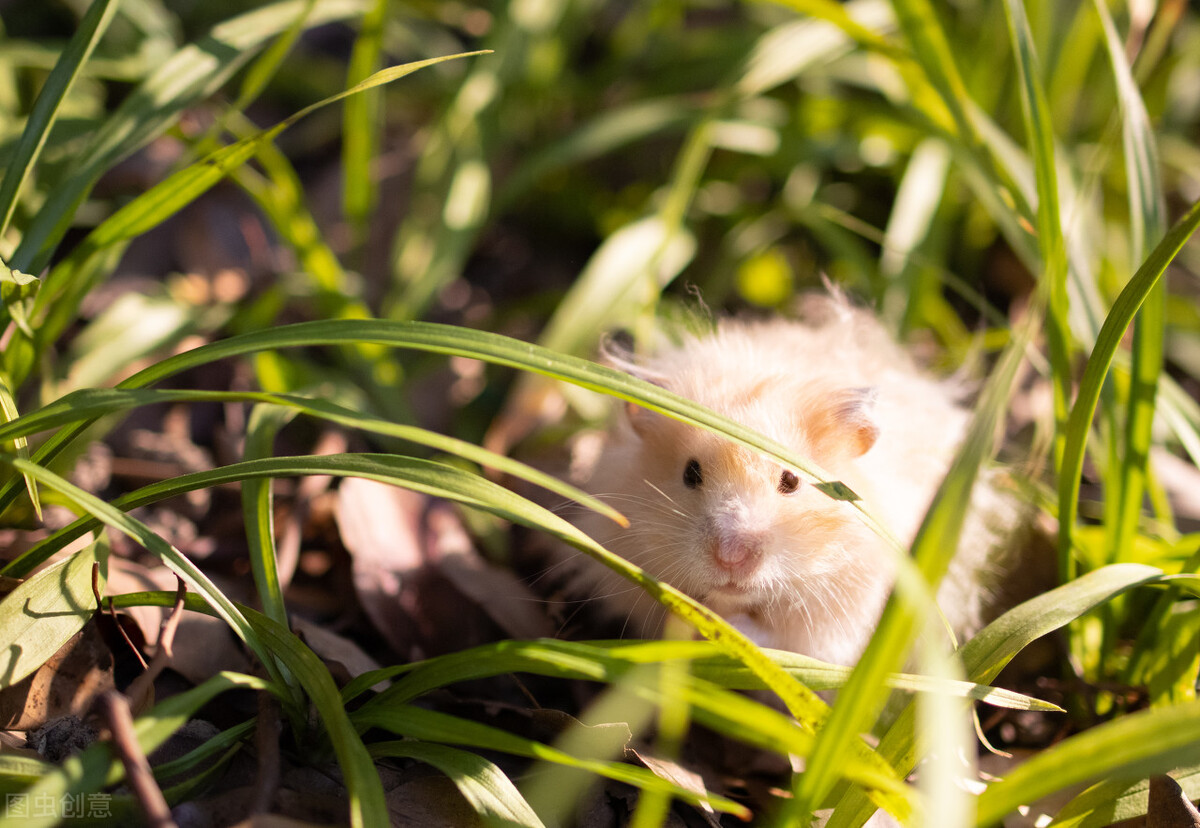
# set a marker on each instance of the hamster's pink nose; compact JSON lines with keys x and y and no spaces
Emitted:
{"x":738,"y":554}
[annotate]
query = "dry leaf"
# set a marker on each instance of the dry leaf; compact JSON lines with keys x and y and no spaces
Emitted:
{"x":345,"y":659}
{"x":65,"y":685}
{"x":679,"y":775}
{"x":204,"y":646}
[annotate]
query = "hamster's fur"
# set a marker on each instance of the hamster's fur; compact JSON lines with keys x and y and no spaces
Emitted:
{"x":789,"y":566}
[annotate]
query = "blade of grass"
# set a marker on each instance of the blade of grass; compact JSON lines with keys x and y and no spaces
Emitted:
{"x":1052,"y":282}
{"x":8,"y":411}
{"x":367,"y":804}
{"x":258,"y":508}
{"x":1110,"y":803}
{"x":985,"y":655}
{"x":492,"y":794}
{"x":931,"y":50}
{"x":42,"y":613}
{"x":431,"y":726}
{"x":360,"y":122}
{"x":194,"y":72}
{"x":56,"y":303}
{"x":94,"y":768}
{"x":1133,"y":746}
{"x":933,"y":548}
{"x":88,"y":404}
{"x":1147,"y":223}
{"x":837,"y":14}
{"x":140,"y":533}
{"x":49,"y":103}
{"x":1107,"y":343}
{"x":368,"y":808}
{"x":607,"y":661}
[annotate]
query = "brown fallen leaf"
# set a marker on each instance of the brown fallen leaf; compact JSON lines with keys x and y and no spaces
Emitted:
{"x":381,"y":528}
{"x":345,"y":659}
{"x":677,"y":774}
{"x":430,"y":802}
{"x":419,"y":604}
{"x":204,"y":646}
{"x":1169,"y":806}
{"x":65,"y":685}
{"x":504,"y":597}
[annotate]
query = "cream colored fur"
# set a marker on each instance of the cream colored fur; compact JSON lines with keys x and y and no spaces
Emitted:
{"x":816,"y":577}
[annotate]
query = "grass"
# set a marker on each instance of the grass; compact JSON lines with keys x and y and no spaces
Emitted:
{"x":1012,"y":184}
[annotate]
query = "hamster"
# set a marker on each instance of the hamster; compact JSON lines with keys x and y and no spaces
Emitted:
{"x":783,"y":562}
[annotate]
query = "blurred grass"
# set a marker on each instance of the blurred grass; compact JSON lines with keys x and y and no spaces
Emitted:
{"x":960,"y":168}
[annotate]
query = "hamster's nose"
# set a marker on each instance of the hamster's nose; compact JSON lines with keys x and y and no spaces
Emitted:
{"x":738,"y":553}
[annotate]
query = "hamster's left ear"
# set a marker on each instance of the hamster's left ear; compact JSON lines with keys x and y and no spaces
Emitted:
{"x":843,"y":423}
{"x":617,"y":352}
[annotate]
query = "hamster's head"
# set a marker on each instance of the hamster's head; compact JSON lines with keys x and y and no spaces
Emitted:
{"x":730,"y":527}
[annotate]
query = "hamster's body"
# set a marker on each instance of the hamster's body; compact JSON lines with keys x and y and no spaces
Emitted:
{"x":788,"y":565}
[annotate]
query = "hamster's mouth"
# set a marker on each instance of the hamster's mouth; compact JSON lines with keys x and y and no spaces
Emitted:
{"x":731,"y":594}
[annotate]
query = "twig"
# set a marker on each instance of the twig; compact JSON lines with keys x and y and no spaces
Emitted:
{"x":140,"y":688}
{"x":113,"y":614}
{"x":140,"y":779}
{"x":266,"y":743}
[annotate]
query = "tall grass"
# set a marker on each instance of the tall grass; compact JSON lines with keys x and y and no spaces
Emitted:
{"x":998,"y":179}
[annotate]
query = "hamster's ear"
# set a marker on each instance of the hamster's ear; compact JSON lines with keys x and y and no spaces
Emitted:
{"x":638,"y":418}
{"x":843,"y":423}
{"x":617,"y":352}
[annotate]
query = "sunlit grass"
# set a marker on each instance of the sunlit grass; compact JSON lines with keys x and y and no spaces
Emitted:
{"x":930,"y":160}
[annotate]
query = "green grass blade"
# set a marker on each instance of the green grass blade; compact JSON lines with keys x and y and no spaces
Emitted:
{"x":94,"y":768}
{"x":837,"y":14}
{"x":49,"y":103}
{"x":607,"y":661}
{"x":1052,"y":281}
{"x":43,"y":612}
{"x":20,"y":445}
{"x":65,"y":287}
{"x":1147,"y":222}
{"x":985,"y":655}
{"x":1133,"y":746}
{"x":367,"y":805}
{"x":279,"y":192}
{"x":931,"y":50}
{"x":431,"y":726}
{"x":1110,"y":803}
{"x":1107,"y":343}
{"x":267,"y":64}
{"x":249,"y":470}
{"x":140,"y":533}
{"x":258,"y":507}
{"x":614,"y":663}
{"x":933,"y":548}
{"x":193,"y":73}
{"x":88,"y":404}
{"x":361,"y":123}
{"x":492,"y":794}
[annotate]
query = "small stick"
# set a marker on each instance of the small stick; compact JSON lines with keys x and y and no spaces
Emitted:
{"x":139,"y":689}
{"x":140,"y":779}
{"x":266,"y":743}
{"x":113,"y":613}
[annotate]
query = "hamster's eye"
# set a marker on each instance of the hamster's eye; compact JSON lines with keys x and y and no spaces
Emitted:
{"x":692,"y":476}
{"x":788,"y":482}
